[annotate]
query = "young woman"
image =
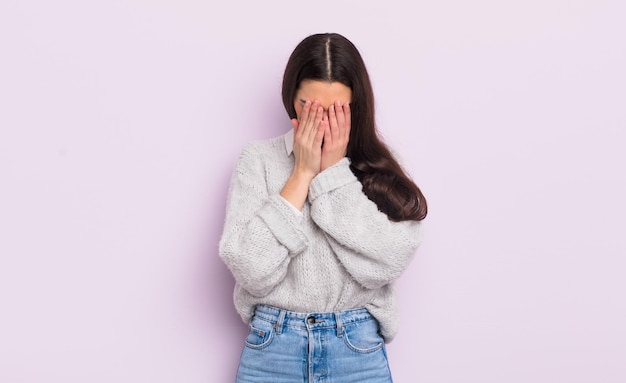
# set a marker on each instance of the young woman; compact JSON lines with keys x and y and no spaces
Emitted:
{"x":319,"y":224}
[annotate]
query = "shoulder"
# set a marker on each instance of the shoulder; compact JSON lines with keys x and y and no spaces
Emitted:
{"x":258,"y":151}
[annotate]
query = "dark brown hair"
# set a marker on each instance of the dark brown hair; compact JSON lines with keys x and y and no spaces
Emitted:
{"x":331,"y":57}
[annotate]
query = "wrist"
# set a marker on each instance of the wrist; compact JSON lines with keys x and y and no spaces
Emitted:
{"x":296,"y":188}
{"x":330,"y":162}
{"x":302,"y":176}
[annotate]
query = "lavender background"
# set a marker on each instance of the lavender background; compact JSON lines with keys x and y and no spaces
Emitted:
{"x":120,"y":122}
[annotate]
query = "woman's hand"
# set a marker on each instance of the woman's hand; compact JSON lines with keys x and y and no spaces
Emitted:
{"x":336,"y":134}
{"x":307,"y":150}
{"x":308,"y":135}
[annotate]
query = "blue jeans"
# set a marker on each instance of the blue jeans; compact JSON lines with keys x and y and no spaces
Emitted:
{"x":289,"y":347}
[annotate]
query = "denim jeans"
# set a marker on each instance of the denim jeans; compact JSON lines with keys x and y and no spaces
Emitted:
{"x":289,"y":347}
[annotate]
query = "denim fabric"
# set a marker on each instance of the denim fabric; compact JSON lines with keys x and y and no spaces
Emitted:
{"x":288,"y":347}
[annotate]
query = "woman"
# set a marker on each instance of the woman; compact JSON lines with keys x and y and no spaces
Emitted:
{"x":320,"y":222}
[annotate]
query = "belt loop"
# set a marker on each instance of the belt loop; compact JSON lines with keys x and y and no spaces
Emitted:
{"x":338,"y":323}
{"x":279,"y":323}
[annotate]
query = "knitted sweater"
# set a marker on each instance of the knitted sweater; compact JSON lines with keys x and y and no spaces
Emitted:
{"x":340,"y":253}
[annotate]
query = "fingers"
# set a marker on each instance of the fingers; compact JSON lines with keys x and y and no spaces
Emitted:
{"x":307,"y":128}
{"x":312,"y":115}
{"x":304,"y":115}
{"x":322,"y":131}
{"x":336,"y":134}
{"x":312,"y":122}
{"x":335,"y":120}
{"x":339,"y":115}
{"x":319,"y":117}
{"x":309,"y":134}
{"x":309,"y":118}
{"x":347,"y":122}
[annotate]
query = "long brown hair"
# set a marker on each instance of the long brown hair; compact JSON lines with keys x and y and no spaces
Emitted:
{"x":331,"y":57}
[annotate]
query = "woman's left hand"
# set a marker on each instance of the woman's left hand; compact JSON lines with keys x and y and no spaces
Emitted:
{"x":336,"y":134}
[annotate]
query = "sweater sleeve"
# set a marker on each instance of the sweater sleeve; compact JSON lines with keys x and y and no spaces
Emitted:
{"x":372,"y":248}
{"x":261,"y":232}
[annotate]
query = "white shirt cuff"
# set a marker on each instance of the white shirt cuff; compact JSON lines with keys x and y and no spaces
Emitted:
{"x":293,"y":208}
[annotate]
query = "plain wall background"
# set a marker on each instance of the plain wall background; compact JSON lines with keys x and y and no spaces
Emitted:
{"x":120,"y":123}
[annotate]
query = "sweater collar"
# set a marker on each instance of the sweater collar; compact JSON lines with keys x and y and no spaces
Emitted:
{"x":289,"y":142}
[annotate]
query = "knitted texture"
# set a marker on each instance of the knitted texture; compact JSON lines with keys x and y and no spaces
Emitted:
{"x":341,"y":253}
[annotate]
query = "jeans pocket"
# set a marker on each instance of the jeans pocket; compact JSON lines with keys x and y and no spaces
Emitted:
{"x":363,"y":337}
{"x":261,"y":334}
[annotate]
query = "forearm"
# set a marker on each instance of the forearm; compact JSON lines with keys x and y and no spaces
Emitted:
{"x":258,"y":250}
{"x":296,"y":189}
{"x":373,"y":249}
{"x":261,"y":231}
{"x":375,"y":263}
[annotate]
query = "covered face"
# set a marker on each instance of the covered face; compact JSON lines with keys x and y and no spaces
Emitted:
{"x":323,"y":91}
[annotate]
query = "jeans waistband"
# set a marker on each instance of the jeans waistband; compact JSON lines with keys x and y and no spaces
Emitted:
{"x":313,"y":320}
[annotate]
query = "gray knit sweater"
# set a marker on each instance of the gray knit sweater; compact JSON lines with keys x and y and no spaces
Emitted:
{"x":340,"y":253}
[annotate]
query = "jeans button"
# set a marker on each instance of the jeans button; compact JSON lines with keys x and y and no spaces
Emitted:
{"x":311,"y":320}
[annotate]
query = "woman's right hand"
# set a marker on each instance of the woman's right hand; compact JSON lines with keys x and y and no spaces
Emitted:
{"x":307,"y":150}
{"x":308,"y":136}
